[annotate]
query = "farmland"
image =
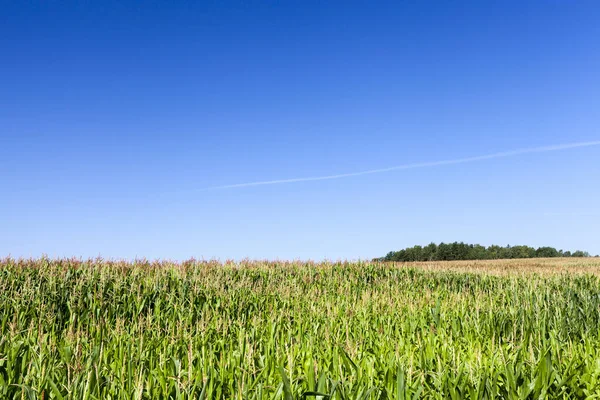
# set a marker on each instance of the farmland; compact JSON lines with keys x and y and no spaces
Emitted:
{"x":99,"y":329}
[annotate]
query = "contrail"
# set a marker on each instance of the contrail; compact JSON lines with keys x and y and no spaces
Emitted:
{"x":503,"y":154}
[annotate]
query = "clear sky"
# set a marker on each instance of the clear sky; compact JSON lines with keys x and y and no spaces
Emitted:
{"x":116,"y":116}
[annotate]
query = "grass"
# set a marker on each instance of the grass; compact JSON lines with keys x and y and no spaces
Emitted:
{"x":260,"y":330}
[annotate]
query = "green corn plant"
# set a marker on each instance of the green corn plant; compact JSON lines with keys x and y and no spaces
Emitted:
{"x":101,"y":329}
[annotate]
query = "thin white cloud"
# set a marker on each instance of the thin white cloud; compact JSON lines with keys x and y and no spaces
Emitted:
{"x":427,"y":164}
{"x":573,"y":214}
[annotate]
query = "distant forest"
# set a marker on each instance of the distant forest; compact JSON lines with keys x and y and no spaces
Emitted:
{"x":463,"y":251}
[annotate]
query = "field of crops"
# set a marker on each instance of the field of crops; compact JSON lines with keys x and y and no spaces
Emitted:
{"x":256,"y":330}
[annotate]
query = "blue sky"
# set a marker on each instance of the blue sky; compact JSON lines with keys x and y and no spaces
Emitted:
{"x":115,"y":116}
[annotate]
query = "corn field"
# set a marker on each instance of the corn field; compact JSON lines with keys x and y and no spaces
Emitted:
{"x":519,"y":329}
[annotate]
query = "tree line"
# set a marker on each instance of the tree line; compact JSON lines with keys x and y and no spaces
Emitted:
{"x":463,"y":251}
